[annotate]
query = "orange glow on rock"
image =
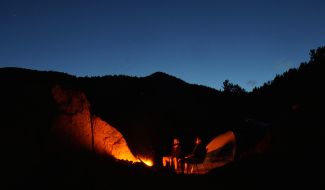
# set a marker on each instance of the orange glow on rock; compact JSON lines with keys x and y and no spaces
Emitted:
{"x":76,"y":126}
{"x":147,"y":161}
{"x":108,"y":140}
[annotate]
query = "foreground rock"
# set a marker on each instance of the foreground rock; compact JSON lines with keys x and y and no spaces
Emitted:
{"x":76,"y":127}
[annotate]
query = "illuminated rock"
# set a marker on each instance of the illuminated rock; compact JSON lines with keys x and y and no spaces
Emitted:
{"x":108,"y":140}
{"x":74,"y":127}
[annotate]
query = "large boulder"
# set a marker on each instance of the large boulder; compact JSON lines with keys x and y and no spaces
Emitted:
{"x":73,"y":124}
{"x":76,"y":127}
{"x":108,"y":140}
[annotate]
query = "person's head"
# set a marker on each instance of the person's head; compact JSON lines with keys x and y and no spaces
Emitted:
{"x":175,"y":141}
{"x":198,"y":140}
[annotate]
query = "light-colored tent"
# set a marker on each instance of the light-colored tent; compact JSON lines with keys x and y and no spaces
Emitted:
{"x":220,"y":151}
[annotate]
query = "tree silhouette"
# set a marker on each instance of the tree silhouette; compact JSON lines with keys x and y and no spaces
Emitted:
{"x":231,"y":88}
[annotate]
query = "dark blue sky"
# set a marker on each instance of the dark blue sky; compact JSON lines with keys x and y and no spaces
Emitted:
{"x":199,"y":41}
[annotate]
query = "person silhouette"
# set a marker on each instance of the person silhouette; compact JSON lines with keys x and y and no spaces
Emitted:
{"x":197,"y":155}
{"x":175,"y":155}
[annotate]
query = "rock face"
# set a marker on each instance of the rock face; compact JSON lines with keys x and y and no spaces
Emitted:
{"x":108,"y":140}
{"x":76,"y":127}
{"x":73,"y":125}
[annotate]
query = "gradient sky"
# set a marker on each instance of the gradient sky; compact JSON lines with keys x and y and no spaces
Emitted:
{"x":200,"y":41}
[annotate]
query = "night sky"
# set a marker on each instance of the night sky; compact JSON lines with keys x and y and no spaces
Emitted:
{"x":200,"y":41}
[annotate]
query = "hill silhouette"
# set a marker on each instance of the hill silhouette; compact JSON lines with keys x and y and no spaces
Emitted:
{"x":149,"y":111}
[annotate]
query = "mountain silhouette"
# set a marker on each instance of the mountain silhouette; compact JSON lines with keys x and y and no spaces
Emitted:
{"x":149,"y":111}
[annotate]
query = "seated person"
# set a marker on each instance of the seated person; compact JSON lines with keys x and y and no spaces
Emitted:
{"x":197,"y":156}
{"x":174,"y":156}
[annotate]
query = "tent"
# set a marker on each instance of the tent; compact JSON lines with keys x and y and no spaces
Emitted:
{"x":220,"y":151}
